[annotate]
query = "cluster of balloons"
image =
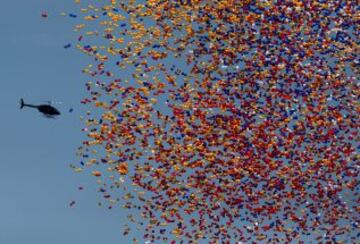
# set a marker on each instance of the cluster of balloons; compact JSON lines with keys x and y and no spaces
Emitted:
{"x":226,"y":120}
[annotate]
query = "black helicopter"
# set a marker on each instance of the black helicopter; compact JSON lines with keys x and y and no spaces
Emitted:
{"x":47,"y":110}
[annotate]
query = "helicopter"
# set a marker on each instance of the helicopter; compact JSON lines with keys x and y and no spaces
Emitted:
{"x":46,"y":109}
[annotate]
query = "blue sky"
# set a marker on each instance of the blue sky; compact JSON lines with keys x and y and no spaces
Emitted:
{"x":36,"y":183}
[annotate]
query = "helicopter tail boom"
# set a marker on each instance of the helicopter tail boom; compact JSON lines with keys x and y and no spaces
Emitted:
{"x":22,"y":104}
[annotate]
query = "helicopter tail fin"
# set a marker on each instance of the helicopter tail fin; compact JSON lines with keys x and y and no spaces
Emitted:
{"x":22,"y":104}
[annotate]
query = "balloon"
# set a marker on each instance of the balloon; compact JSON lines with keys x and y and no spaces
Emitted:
{"x":237,"y":120}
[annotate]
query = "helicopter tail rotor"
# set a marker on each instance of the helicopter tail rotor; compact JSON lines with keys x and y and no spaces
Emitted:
{"x":22,"y":104}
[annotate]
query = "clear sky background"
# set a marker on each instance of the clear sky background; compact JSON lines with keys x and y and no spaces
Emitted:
{"x":36,"y":183}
